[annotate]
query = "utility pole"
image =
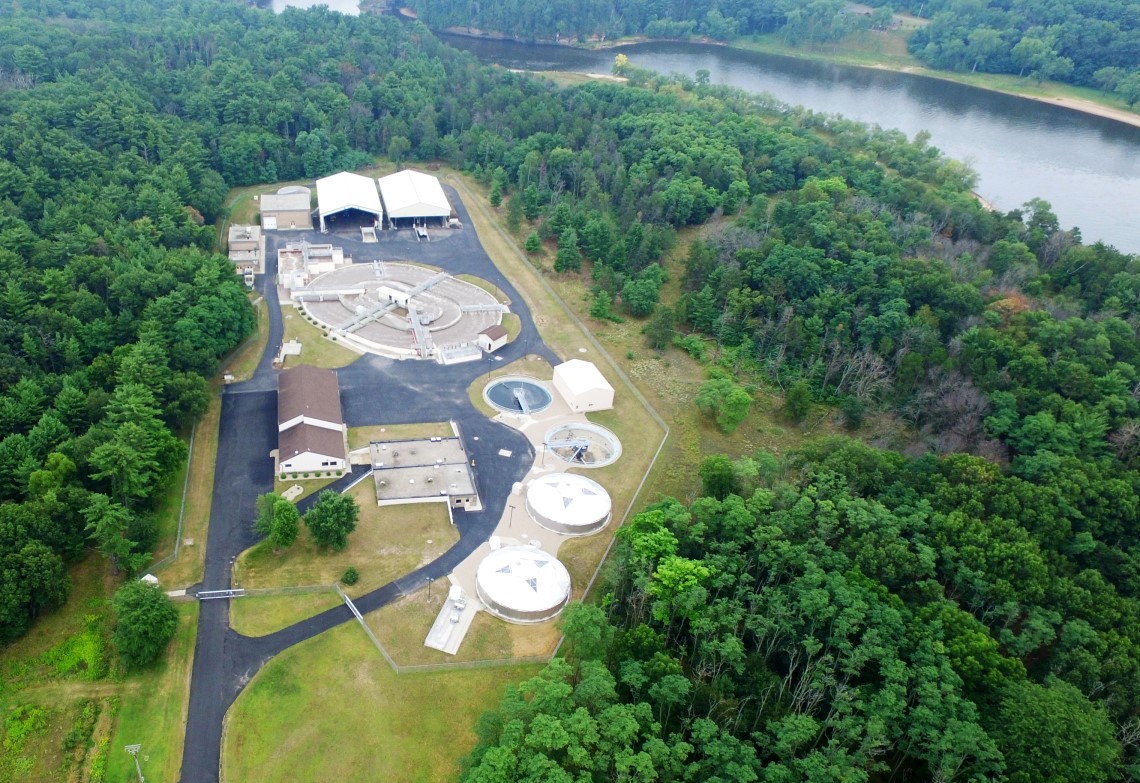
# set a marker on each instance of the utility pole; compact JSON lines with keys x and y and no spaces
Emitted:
{"x":134,"y":751}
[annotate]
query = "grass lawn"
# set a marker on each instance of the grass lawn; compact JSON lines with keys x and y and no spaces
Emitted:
{"x":359,"y":437}
{"x":402,"y":627}
{"x":530,"y":367}
{"x":487,"y":286}
{"x":316,"y":349}
{"x":242,"y":362}
{"x":389,"y":542}
{"x":84,"y":710}
{"x":154,"y":713}
{"x":310,"y":485}
{"x":337,"y":694}
{"x":513,"y":324}
{"x":258,"y":615}
{"x":188,"y":568}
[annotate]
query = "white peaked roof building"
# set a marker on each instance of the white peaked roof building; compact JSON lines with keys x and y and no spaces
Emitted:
{"x":413,"y":194}
{"x":569,"y":504}
{"x":522,"y":584}
{"x":583,"y":386}
{"x":345,"y":191}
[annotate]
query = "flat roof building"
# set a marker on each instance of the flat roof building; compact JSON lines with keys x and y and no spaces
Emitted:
{"x":245,"y":247}
{"x":290,"y":208}
{"x":423,"y":470}
{"x":413,"y":195}
{"x":346,"y":194}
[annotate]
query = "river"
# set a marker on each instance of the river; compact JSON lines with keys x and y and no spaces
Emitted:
{"x":1087,"y":167}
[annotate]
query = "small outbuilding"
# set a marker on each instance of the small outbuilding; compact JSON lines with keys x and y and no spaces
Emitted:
{"x":246,"y":249}
{"x":348,"y":198}
{"x":492,"y":338}
{"x":412,"y":197}
{"x":583,"y":386}
{"x":289,"y":209}
{"x":569,"y":504}
{"x":522,"y":584}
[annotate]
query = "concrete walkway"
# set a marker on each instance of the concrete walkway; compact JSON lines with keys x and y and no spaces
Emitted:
{"x":374,"y":391}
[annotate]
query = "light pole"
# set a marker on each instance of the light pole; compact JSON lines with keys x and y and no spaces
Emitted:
{"x":134,"y":751}
{"x":511,"y":521}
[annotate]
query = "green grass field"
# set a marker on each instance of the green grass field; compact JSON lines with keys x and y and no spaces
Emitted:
{"x":258,"y":615}
{"x":332,"y":709}
{"x":316,"y":349}
{"x":389,"y":542}
{"x":402,"y":627}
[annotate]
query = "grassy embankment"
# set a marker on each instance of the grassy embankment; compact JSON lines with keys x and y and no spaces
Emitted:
{"x":372,"y":724}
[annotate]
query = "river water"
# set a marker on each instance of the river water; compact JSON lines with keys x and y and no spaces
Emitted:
{"x":1087,"y":167}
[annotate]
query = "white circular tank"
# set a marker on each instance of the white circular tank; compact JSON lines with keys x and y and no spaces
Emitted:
{"x":522,"y":584}
{"x":569,"y":504}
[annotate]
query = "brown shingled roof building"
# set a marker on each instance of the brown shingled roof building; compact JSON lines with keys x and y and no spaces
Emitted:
{"x":310,"y":395}
{"x":310,"y":422}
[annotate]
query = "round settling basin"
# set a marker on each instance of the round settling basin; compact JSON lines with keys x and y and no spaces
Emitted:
{"x":582,"y":445}
{"x":518,"y":395}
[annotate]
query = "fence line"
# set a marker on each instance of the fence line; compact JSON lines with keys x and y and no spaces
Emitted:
{"x":164,"y":562}
{"x":460,"y":185}
{"x":295,"y":590}
{"x":360,"y":619}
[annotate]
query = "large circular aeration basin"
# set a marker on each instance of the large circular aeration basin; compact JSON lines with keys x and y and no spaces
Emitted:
{"x":518,"y":395}
{"x":568,"y":504}
{"x":522,"y":584}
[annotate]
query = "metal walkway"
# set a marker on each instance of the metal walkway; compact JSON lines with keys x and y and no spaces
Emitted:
{"x":578,"y":446}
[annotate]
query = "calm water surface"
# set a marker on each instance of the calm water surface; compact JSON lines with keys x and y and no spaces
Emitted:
{"x":1088,"y":168}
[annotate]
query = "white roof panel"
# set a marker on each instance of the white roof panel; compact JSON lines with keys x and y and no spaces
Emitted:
{"x":413,"y":194}
{"x":581,"y":376}
{"x":347,"y":191}
{"x":524,"y":579}
{"x":568,"y":499}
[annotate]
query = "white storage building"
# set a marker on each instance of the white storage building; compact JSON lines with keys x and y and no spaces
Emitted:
{"x":569,"y":504}
{"x":583,"y":386}
{"x":413,"y":196}
{"x":344,"y":193}
{"x":522,"y":584}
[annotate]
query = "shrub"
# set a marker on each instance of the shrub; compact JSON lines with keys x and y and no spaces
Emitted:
{"x":350,"y":577}
{"x":145,"y":622}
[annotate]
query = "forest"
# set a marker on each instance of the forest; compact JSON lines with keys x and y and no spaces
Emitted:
{"x":1085,"y":43}
{"x":842,"y":612}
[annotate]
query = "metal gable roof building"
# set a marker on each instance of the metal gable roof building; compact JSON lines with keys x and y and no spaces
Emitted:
{"x":413,"y":194}
{"x":345,"y":191}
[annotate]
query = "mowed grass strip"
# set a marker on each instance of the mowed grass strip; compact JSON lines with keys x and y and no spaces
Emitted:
{"x":332,"y":709}
{"x":359,"y":437}
{"x":188,"y":568}
{"x":259,"y":615}
{"x":154,"y":714}
{"x":316,"y":349}
{"x":389,"y":541}
{"x":403,"y":625}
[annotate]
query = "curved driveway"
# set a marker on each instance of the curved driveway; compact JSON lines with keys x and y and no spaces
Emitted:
{"x":374,"y":390}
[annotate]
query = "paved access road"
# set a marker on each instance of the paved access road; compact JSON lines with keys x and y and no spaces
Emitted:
{"x":374,"y":390}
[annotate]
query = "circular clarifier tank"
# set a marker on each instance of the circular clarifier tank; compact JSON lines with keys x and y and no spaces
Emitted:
{"x":582,"y":445}
{"x":518,"y":395}
{"x":569,"y":504}
{"x":522,"y":584}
